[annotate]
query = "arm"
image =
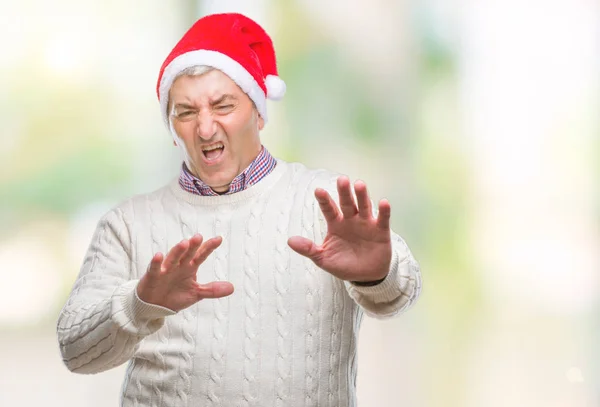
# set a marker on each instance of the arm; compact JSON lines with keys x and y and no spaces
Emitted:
{"x":397,"y":292}
{"x":360,"y":248}
{"x":104,"y":319}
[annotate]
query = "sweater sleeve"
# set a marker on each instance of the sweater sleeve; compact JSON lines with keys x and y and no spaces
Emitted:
{"x":401,"y":287}
{"x":397,"y":292}
{"x":103,"y":319}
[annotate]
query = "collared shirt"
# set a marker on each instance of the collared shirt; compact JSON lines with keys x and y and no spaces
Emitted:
{"x":262,"y":165}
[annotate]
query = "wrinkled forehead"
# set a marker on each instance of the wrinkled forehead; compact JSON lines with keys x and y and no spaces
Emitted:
{"x":206,"y":86}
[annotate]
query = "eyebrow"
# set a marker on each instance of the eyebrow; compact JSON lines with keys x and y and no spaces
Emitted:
{"x":183,"y":105}
{"x":222,"y":99}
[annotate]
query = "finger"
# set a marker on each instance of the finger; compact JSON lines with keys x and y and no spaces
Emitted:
{"x":155,"y":263}
{"x":347,"y":204}
{"x":216,"y":289}
{"x":206,"y":249}
{"x":195,"y":243}
{"x":362,"y":198}
{"x":385,"y":211}
{"x":306,"y":247}
{"x":327,"y":205}
{"x":175,"y":254}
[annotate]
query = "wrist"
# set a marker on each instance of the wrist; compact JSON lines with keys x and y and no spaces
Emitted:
{"x":369,"y":283}
{"x":146,"y":295}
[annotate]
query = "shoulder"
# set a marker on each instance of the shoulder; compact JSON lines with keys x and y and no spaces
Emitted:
{"x":310,"y":178}
{"x":136,"y":205}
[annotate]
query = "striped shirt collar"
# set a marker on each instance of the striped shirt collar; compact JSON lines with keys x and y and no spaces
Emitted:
{"x":262,"y":165}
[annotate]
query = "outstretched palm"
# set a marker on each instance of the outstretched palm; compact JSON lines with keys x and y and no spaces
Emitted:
{"x":357,"y":246}
{"x":171,"y":281}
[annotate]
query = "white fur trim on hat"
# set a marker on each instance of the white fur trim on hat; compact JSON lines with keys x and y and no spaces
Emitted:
{"x":223,"y":63}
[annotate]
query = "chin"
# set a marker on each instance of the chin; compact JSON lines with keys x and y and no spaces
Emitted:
{"x":215,"y":175}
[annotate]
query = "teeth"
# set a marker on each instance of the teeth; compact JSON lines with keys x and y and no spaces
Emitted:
{"x":213,"y":147}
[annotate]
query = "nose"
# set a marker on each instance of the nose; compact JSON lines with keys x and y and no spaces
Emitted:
{"x":207,"y":126}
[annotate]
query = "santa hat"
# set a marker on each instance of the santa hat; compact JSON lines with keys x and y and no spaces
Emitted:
{"x":233,"y":44}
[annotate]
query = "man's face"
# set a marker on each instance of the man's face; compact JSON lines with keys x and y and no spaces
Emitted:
{"x":217,"y":125}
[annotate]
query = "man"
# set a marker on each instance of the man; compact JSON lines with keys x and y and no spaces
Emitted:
{"x":287,"y":335}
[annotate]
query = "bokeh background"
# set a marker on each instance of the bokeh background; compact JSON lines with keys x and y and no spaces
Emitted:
{"x":478,"y":120}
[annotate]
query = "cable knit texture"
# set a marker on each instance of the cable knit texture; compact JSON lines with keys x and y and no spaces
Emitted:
{"x":287,"y":335}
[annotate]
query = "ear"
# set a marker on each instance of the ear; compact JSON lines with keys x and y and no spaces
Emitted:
{"x":261,"y":122}
{"x":174,"y":143}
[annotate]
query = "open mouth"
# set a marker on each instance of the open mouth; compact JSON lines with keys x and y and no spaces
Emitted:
{"x":213,"y":152}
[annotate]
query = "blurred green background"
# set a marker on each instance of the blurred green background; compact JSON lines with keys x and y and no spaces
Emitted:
{"x":478,"y":120}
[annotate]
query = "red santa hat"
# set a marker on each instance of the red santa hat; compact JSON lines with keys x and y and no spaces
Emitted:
{"x":233,"y":44}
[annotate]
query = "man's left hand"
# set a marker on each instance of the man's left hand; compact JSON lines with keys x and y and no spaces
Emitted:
{"x":357,"y":246}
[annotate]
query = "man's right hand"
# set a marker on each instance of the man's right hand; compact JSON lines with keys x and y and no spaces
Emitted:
{"x":171,"y":283}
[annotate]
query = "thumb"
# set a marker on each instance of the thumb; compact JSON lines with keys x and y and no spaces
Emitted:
{"x":305,"y":247}
{"x":216,"y":289}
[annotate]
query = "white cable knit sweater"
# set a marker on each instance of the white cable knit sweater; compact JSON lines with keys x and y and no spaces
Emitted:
{"x":285,"y":337}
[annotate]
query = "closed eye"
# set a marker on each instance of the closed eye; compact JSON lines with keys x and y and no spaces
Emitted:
{"x":185,"y":115}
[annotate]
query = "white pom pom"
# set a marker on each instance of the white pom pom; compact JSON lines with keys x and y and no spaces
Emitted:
{"x":275,"y":87}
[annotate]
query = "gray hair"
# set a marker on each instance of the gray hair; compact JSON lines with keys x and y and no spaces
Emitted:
{"x":195,"y":70}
